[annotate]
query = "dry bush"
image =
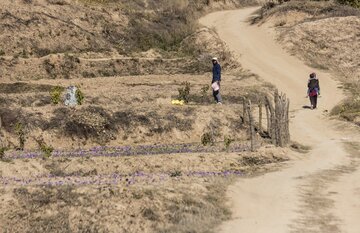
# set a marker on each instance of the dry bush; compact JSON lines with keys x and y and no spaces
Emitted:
{"x":21,"y":88}
{"x":10,"y":117}
{"x":317,"y":9}
{"x":353,"y":3}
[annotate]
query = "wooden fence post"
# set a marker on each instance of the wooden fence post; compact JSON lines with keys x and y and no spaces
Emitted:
{"x":260,"y":117}
{"x":278,"y":119}
{"x":251,"y":125}
{"x":244,"y":111}
{"x":287,"y":122}
{"x":272,"y":120}
{"x":268,"y":121}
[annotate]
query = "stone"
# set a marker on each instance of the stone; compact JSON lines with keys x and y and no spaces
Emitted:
{"x":70,"y":97}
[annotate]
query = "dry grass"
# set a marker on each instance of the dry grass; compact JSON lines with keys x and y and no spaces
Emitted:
{"x":174,"y":203}
{"x":337,"y":29}
{"x":315,"y":9}
{"x":51,"y":43}
{"x":107,"y":116}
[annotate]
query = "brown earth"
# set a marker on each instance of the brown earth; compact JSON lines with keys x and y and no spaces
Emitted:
{"x":143,"y":114}
{"x":313,"y":194}
{"x":72,"y":39}
{"x":334,"y":47}
{"x":149,"y":51}
{"x":167,"y":199}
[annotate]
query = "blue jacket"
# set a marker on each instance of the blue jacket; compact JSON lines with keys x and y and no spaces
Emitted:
{"x":216,"y":73}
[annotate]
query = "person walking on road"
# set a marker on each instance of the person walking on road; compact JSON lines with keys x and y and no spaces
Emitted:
{"x":215,"y":84}
{"x":313,"y":90}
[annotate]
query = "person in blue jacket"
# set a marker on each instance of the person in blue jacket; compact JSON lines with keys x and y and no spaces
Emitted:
{"x":216,"y":78}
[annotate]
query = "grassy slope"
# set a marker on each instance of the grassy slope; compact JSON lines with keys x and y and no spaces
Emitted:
{"x":326,"y":36}
{"x":48,"y":38}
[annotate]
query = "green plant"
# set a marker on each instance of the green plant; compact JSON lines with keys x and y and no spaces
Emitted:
{"x":207,"y":139}
{"x":227,"y":142}
{"x":44,"y":148}
{"x":204,"y":92}
{"x":55,"y":94}
{"x":79,"y":96}
{"x":2,"y":53}
{"x":175,"y":174}
{"x":20,"y":132}
{"x":47,"y":150}
{"x":24,"y":54}
{"x":184,"y":92}
{"x":2,"y":152}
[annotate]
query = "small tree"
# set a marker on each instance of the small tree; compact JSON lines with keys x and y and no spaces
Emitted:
{"x":184,"y":92}
{"x":227,"y":142}
{"x":55,"y":94}
{"x":79,"y":96}
{"x":20,"y":132}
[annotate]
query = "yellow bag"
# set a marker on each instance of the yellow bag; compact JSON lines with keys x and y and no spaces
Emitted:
{"x":177,"y":102}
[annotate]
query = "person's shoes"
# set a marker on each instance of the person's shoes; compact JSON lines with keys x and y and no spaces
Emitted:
{"x":312,"y":107}
{"x":219,"y":103}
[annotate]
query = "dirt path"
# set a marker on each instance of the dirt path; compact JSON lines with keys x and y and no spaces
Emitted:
{"x":319,"y":193}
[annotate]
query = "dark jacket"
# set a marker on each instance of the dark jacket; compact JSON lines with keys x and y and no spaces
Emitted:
{"x":216,"y":73}
{"x":314,"y":84}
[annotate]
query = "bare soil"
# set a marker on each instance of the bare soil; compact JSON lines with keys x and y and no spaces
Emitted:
{"x":334,"y":47}
{"x":309,"y":195}
{"x":125,"y":111}
{"x":160,"y":193}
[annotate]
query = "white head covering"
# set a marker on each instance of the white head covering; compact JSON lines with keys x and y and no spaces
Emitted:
{"x":214,"y":59}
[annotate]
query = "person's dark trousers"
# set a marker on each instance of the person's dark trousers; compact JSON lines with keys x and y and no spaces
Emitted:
{"x":313,"y":101}
{"x":217,"y":95}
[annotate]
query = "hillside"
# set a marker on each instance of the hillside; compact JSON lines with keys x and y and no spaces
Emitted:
{"x":325,"y":35}
{"x":72,"y":39}
{"x":126,"y":159}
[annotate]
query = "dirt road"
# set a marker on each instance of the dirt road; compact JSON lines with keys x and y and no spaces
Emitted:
{"x":317,"y":193}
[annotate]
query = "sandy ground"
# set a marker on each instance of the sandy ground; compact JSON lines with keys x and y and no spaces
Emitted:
{"x":319,"y":193}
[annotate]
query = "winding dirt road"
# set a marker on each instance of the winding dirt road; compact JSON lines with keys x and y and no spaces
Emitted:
{"x":317,"y":193}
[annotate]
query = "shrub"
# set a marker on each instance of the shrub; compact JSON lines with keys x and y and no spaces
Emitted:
{"x":2,"y":53}
{"x":55,"y":94}
{"x":207,"y":139}
{"x":2,"y":152}
{"x":227,"y":142}
{"x":184,"y":92}
{"x":79,"y":96}
{"x":47,"y":150}
{"x":204,"y":92}
{"x":49,"y":68}
{"x":353,"y":3}
{"x":175,"y":174}
{"x":20,"y":132}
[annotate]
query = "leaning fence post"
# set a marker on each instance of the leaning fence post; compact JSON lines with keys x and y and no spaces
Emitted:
{"x":287,"y":122}
{"x":251,"y":124}
{"x":272,"y":120}
{"x":268,"y":123}
{"x":260,"y":117}
{"x":244,"y":110}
